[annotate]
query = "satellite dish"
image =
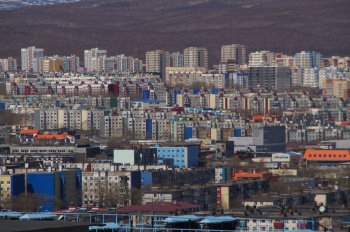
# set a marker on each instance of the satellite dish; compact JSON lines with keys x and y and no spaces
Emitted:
{"x":336,"y":187}
{"x":322,"y":209}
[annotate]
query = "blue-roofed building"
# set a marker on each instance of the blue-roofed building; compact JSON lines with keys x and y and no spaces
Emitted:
{"x":182,"y":156}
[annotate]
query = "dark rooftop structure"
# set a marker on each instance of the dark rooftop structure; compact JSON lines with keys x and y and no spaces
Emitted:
{"x":42,"y":226}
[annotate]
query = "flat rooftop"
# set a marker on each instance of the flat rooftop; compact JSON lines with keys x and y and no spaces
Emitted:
{"x":47,"y":226}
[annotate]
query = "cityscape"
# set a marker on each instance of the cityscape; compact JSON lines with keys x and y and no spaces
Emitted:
{"x":174,"y":140}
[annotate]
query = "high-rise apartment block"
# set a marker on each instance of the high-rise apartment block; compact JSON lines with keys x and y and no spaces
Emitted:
{"x":90,"y":56}
{"x":234,"y":52}
{"x":308,"y":59}
{"x":176,"y":59}
{"x":157,"y":61}
{"x":8,"y":65}
{"x":52,"y":64}
{"x":275,"y":77}
{"x":128,"y":64}
{"x":336,"y":87}
{"x":31,"y":58}
{"x":196,"y":57}
{"x":262,"y":58}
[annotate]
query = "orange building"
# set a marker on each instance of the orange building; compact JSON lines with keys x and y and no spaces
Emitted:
{"x":327,"y":155}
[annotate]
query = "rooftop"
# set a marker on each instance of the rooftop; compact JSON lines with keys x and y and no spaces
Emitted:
{"x":157,"y":207}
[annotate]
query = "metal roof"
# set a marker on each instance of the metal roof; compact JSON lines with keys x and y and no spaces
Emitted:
{"x":37,"y":216}
{"x":183,"y":218}
{"x":215,"y":220}
{"x":108,"y":225}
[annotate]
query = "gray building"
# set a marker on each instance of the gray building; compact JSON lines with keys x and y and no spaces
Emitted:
{"x":264,"y":139}
{"x":275,"y":77}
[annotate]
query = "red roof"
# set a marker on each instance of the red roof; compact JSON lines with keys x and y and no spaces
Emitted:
{"x":157,"y":207}
{"x":51,"y":136}
{"x":22,"y":132}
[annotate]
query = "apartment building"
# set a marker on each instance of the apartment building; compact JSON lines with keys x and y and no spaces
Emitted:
{"x":157,"y":61}
{"x":288,"y":61}
{"x":176,"y":59}
{"x":52,"y":64}
{"x":311,"y":77}
{"x":196,"y":57}
{"x":235,"y":52}
{"x":275,"y":77}
{"x":204,"y":196}
{"x":10,"y":186}
{"x":308,"y":59}
{"x":258,"y":58}
{"x":31,"y":58}
{"x":8,"y":65}
{"x":336,"y":87}
{"x":91,"y":61}
{"x":109,"y":188}
{"x":74,"y":119}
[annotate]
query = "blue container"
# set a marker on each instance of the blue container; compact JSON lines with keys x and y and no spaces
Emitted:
{"x":237,"y":132}
{"x":188,"y":133}
{"x":145,"y":94}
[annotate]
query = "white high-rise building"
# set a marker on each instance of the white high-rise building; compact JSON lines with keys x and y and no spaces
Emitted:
{"x":122,"y":63}
{"x":31,"y":57}
{"x":310,"y":77}
{"x":128,"y":63}
{"x":89,"y":56}
{"x":258,"y":58}
{"x":135,"y":65}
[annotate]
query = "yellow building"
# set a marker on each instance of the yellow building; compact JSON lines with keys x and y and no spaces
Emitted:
{"x":5,"y":187}
{"x":52,"y":65}
{"x":11,"y":185}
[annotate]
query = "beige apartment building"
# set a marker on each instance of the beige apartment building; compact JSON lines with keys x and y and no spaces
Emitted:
{"x":157,"y":61}
{"x":337,"y":88}
{"x":234,"y":52}
{"x":196,"y":57}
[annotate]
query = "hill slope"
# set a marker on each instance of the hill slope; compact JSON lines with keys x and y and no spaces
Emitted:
{"x":135,"y":26}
